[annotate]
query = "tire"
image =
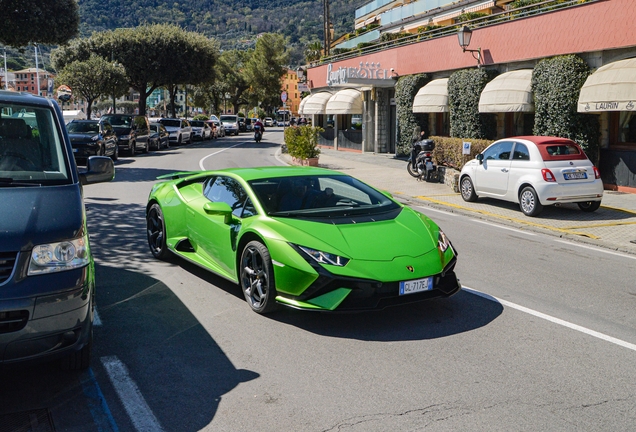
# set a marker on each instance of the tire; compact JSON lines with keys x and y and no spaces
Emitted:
{"x":79,"y":360}
{"x":529,"y":202}
{"x":115,"y":155}
{"x":589,"y":206}
{"x":467,"y":189}
{"x":156,"y":232}
{"x":179,"y":141}
{"x":412,"y":171}
{"x":257,"y":278}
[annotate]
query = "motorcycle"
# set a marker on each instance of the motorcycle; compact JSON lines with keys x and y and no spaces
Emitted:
{"x":258,"y":134}
{"x":420,"y":163}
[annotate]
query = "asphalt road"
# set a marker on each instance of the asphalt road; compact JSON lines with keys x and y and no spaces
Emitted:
{"x":541,"y":338}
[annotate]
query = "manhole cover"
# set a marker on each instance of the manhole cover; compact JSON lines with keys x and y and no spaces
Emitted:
{"x":27,"y":421}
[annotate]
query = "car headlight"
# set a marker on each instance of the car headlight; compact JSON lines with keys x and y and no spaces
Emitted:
{"x":442,"y":241}
{"x":124,"y":137}
{"x":95,"y":138}
{"x":325,"y":257}
{"x":62,"y":256}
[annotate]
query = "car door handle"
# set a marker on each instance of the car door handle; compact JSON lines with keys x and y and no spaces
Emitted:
{"x":504,"y":170}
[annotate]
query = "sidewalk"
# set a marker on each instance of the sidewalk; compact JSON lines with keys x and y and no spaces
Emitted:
{"x":613,"y":226}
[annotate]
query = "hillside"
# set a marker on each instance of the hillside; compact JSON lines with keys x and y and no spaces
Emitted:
{"x":234,"y":24}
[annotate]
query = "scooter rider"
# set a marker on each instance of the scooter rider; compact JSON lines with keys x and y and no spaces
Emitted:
{"x":262,"y":126}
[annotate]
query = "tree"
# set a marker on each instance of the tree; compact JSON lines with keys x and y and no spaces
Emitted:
{"x":313,"y":52}
{"x":232,"y":77}
{"x":265,"y":68}
{"x":93,"y":78}
{"x":152,"y":55}
{"x":38,"y":21}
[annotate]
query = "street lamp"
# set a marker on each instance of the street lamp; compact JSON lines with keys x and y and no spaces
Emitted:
{"x":300,"y":74}
{"x":464,"y":35}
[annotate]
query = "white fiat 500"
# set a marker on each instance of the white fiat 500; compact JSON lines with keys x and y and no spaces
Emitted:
{"x":533,"y":171}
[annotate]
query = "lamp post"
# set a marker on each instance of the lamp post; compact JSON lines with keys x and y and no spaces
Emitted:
{"x":300,"y":74}
{"x":464,"y":35}
{"x":37,"y":69}
{"x":6,"y":73}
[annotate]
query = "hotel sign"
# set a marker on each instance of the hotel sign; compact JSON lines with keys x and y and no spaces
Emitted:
{"x":343,"y":75}
{"x":610,"y":106}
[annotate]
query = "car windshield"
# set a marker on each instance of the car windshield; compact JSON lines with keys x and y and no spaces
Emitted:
{"x":118,"y":120}
{"x":323,"y":196}
{"x":197,"y":123}
{"x":228,"y":119}
{"x":32,"y":149}
{"x":83,"y":127}
{"x":170,"y":123}
{"x":154,"y":127}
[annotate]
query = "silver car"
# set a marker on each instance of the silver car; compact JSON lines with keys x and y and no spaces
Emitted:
{"x":180,"y":130}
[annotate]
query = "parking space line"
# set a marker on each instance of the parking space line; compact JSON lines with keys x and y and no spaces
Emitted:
{"x":97,"y":403}
{"x":552,"y":319}
{"x":131,"y":398}
{"x":97,"y":321}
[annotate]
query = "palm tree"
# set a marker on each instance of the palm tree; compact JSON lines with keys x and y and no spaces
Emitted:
{"x":313,"y":52}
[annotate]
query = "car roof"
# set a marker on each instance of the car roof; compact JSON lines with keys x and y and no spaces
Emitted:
{"x":543,"y":142}
{"x":540,"y":140}
{"x":24,"y":97}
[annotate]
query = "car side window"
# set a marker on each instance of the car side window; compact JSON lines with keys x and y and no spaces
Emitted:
{"x":499,"y":151}
{"x":521,"y":152}
{"x":230,"y":191}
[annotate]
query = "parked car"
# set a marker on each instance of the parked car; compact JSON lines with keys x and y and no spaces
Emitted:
{"x":231,"y":123}
{"x":214,"y":118}
{"x":47,"y":272}
{"x":159,"y":136}
{"x":179,"y":129}
{"x":533,"y":171}
{"x":220,"y":128}
{"x":308,"y":238}
{"x":200,"y":130}
{"x":92,"y":138}
{"x":268,"y":121}
{"x":133,"y":132}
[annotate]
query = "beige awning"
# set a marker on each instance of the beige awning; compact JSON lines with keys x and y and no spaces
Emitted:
{"x":347,"y":101}
{"x":316,"y":103}
{"x":508,"y":92}
{"x":302,"y":105}
{"x":433,"y":97}
{"x":611,"y":88}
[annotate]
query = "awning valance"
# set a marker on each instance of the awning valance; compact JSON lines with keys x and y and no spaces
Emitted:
{"x":302,"y":105}
{"x":508,"y":92}
{"x":316,"y":103}
{"x":433,"y":97}
{"x":347,"y":101}
{"x":611,"y":88}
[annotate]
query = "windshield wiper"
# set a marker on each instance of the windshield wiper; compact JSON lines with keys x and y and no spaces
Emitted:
{"x":8,"y":182}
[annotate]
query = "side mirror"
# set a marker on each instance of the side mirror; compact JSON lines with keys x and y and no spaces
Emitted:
{"x":99,"y":169}
{"x":218,"y":208}
{"x":480,"y":158}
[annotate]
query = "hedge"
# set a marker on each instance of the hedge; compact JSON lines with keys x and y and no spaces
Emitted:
{"x":408,"y":122}
{"x":464,"y":88}
{"x":448,"y":150}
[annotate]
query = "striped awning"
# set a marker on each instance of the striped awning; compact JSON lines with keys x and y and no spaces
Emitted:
{"x":347,"y":101}
{"x":508,"y":92}
{"x":611,"y":88}
{"x":432,"y":98}
{"x":316,"y":103}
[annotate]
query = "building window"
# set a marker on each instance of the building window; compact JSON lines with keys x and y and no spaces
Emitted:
{"x":622,"y":130}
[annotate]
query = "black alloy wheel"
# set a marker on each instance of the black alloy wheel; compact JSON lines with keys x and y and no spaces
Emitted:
{"x":589,"y":206}
{"x":257,"y":278}
{"x":156,"y":232}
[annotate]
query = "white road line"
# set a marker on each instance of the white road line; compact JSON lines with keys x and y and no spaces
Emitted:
{"x":503,"y":227}
{"x":97,"y":321}
{"x":134,"y":403}
{"x":220,"y":151}
{"x":597,"y":249}
{"x":438,"y":211}
{"x":554,"y":320}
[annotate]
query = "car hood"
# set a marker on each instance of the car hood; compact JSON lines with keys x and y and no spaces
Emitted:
{"x":122,"y":131}
{"x":172,"y":128}
{"x":33,"y":215}
{"x":81,"y":136}
{"x":409,"y":234}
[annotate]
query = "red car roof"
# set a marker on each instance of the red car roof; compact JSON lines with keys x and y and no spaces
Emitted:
{"x":545,"y":142}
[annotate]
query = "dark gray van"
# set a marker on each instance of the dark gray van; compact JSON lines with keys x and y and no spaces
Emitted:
{"x":47,"y":276}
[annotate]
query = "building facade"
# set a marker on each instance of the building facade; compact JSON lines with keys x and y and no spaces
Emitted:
{"x":510,"y":45}
{"x":26,"y":80}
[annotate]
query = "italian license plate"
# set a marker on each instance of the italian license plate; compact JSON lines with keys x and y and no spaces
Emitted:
{"x":74,"y":150}
{"x":416,"y":285}
{"x":575,"y":175}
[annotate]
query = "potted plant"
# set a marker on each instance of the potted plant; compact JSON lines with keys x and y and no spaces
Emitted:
{"x":302,"y":144}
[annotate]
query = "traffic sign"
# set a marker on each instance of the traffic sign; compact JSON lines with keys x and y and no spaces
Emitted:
{"x":283,"y":96}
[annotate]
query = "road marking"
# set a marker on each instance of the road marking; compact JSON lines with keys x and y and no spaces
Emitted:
{"x":597,"y":249}
{"x":220,"y":151}
{"x":439,"y":211}
{"x":97,"y":321}
{"x":552,"y":319}
{"x":97,"y":403}
{"x":134,"y":403}
{"x":503,"y":227}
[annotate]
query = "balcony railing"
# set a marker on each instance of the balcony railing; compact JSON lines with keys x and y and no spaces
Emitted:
{"x":497,"y":18}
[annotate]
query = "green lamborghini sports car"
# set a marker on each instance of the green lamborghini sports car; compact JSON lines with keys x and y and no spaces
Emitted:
{"x":304,"y":237}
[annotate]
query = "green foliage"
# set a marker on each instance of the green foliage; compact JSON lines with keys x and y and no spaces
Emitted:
{"x":42,"y":21}
{"x":556,"y":83}
{"x":302,"y":141}
{"x":467,"y":16}
{"x":265,"y":68}
{"x":464,"y":88}
{"x":409,"y":123}
{"x":202,"y":117}
{"x":92,"y":79}
{"x":385,"y":37}
{"x":240,"y":114}
{"x":448,"y":150}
